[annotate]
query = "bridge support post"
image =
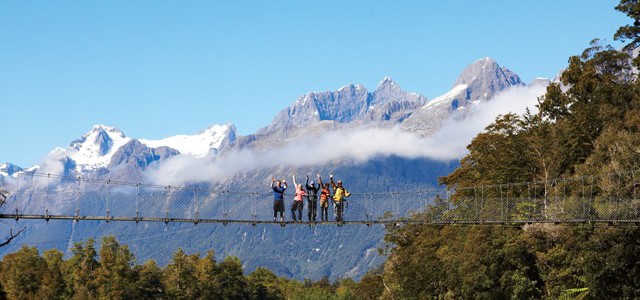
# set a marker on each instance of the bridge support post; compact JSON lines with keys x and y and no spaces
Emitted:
{"x":138,"y":196}
{"x":106,"y":199}
{"x":78,"y":196}
{"x":224,"y":206}
{"x":167,"y":193}
{"x":46,"y":211}
{"x":195,"y":206}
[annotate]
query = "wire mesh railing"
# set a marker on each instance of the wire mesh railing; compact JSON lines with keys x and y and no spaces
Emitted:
{"x":598,"y":198}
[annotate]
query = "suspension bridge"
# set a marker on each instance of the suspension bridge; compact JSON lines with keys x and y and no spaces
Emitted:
{"x":604,"y":198}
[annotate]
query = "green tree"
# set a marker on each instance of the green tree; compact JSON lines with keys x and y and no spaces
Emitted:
{"x":53,"y":284}
{"x":263,"y":284}
{"x":180,"y":276}
{"x":370,"y":286}
{"x":114,"y":274}
{"x":207,"y":274}
{"x":22,"y":273}
{"x":631,"y":32}
{"x":79,"y":271}
{"x":230,"y":276}
{"x":149,"y":281}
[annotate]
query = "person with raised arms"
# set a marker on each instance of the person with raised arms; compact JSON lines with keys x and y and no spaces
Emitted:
{"x":278,"y":187}
{"x":325,"y":194}
{"x":339,"y":197}
{"x":298,"y":201}
{"x":312,"y":199}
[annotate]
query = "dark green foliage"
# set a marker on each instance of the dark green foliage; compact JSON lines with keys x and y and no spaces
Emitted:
{"x":587,"y":124}
{"x":263,"y":284}
{"x":111,"y":274}
{"x":149,"y":281}
{"x":370,"y":286}
{"x":231,"y":279}
{"x":22,"y":274}
{"x":79,"y":270}
{"x":180,"y":276}
{"x":630,"y":32}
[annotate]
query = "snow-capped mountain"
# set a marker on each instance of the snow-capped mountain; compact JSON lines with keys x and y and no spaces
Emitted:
{"x":347,"y":104}
{"x":96,"y":147}
{"x":8,"y":169}
{"x":213,"y":138}
{"x":479,"y":81}
{"x":105,"y":147}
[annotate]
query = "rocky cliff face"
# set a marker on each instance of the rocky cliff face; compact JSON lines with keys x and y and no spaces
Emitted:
{"x":133,"y":158}
{"x":350,"y":103}
{"x":484,"y":78}
{"x":478,"y":82}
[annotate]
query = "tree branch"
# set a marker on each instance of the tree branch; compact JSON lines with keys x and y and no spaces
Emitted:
{"x":12,"y":236}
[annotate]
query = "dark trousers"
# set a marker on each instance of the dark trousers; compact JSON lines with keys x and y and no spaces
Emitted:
{"x":278,"y":207}
{"x":339,"y":211}
{"x":297,"y":205}
{"x":313,"y":208}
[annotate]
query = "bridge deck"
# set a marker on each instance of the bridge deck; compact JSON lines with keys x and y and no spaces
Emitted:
{"x":305,"y":223}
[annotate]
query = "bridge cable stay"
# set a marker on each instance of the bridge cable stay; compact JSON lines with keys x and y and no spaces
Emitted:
{"x":196,"y":209}
{"x":78,"y":196}
{"x":138,"y":196}
{"x":46,"y":200}
{"x":17,"y":193}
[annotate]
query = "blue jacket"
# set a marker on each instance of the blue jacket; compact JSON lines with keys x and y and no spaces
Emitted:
{"x":278,"y":192}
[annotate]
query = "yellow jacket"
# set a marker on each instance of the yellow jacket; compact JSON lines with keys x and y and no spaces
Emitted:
{"x":341,"y":193}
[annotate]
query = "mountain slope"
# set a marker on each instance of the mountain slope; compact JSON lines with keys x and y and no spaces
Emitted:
{"x":96,"y":147}
{"x":348,"y":104}
{"x":9,"y":169}
{"x":213,"y":139}
{"x":478,"y":82}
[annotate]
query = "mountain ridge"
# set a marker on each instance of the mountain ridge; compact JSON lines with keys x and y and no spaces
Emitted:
{"x":351,"y":106}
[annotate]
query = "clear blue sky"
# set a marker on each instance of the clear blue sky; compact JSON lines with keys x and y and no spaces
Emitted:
{"x":160,"y":68}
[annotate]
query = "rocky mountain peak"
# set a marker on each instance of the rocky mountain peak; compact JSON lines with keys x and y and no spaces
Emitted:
{"x":485,"y":77}
{"x":386,"y":83}
{"x":479,"y":81}
{"x":100,"y":139}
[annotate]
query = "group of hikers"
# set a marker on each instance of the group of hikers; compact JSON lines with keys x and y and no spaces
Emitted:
{"x":334,"y":193}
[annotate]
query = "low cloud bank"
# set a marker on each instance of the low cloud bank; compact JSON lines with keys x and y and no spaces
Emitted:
{"x":455,"y":135}
{"x":360,"y":144}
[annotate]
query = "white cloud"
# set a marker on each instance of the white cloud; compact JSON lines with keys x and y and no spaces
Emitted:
{"x":455,"y":135}
{"x":359,"y":144}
